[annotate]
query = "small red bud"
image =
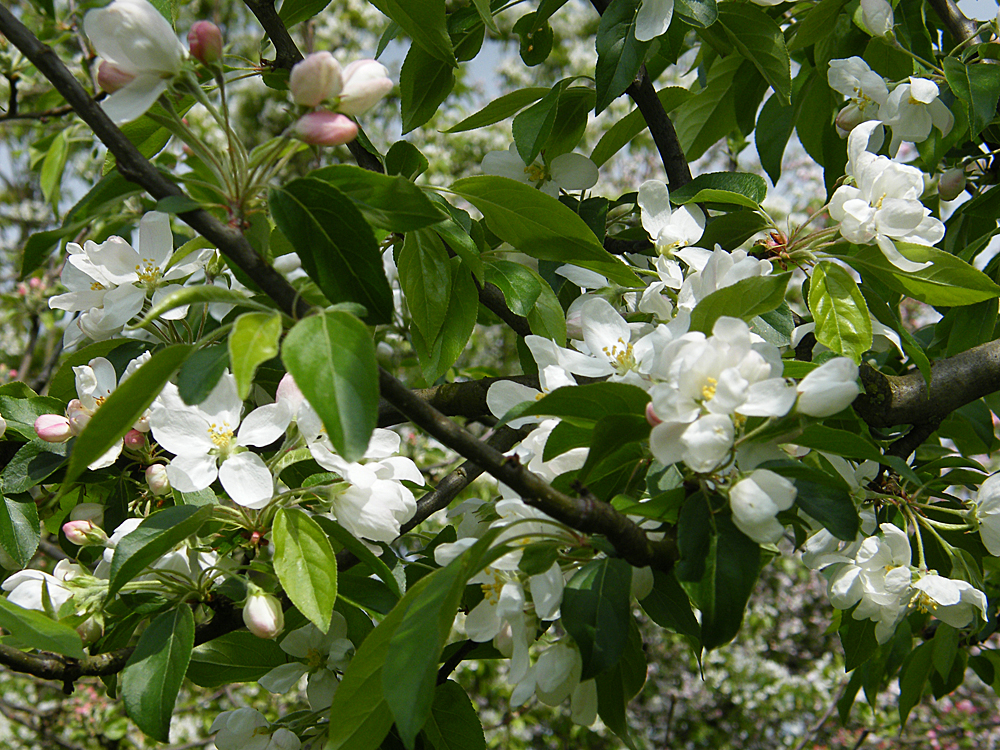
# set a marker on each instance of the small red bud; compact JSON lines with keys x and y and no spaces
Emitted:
{"x":205,"y":42}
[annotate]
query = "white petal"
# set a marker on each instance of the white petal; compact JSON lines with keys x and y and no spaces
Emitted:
{"x":653,"y":19}
{"x":131,"y":102}
{"x":247,"y":480}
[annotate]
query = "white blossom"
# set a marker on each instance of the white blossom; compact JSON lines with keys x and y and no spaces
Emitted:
{"x":953,"y":601}
{"x":756,"y":501}
{"x":669,"y":228}
{"x":828,"y":389}
{"x":912,"y":109}
{"x":567,"y":172}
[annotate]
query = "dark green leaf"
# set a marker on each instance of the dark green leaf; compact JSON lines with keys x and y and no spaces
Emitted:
{"x":336,"y":245}
{"x":153,"y":538}
{"x":531,"y":128}
{"x":610,"y":434}
{"x":388,"y":202}
{"x":19,"y":529}
{"x":153,"y":675}
{"x":234,"y":657}
{"x":817,"y":24}
{"x":585,"y":405}
{"x":745,"y":299}
{"x":425,"y":22}
{"x":425,"y":277}
{"x":710,"y":115}
{"x":698,"y":13}
{"x":361,"y":551}
{"x":201,"y":372}
{"x":124,"y":406}
{"x":759,"y":39}
{"x":33,"y":462}
{"x":424,"y":83}
{"x":198,"y":295}
{"x":438,"y":354}
{"x":595,"y":612}
{"x":978,"y":86}
{"x":731,"y":570}
{"x":20,"y":413}
{"x":822,"y":496}
{"x":296,"y":11}
{"x":858,"y":639}
{"x":913,"y":677}
{"x":628,"y":127}
{"x":454,"y":723}
{"x":706,"y":187}
{"x":535,"y":38}
{"x":404,"y":159}
{"x":619,"y":54}
{"x":617,"y":686}
{"x":669,"y":607}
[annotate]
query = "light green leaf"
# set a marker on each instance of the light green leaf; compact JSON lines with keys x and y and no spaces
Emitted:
{"x":500,"y":109}
{"x":153,"y":538}
{"x":51,"y":174}
{"x":436,"y":355}
{"x":153,"y":675}
{"x":198,"y":295}
{"x":296,"y":11}
{"x":35,"y":630}
{"x":843,"y":323}
{"x":709,"y":115}
{"x":388,"y":202}
{"x":332,"y":358}
{"x":978,"y":86}
{"x":253,"y":340}
{"x":742,"y":188}
{"x":123,"y":407}
{"x":745,"y":299}
{"x":20,"y":413}
{"x":33,"y":462}
{"x":306,"y":565}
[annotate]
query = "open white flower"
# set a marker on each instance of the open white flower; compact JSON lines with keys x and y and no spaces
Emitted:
{"x":207,"y":442}
{"x":986,"y":510}
{"x":669,"y":228}
{"x":565,"y":172}
{"x":885,"y":203}
{"x":877,"y":15}
{"x":139,"y":42}
{"x":828,"y":389}
{"x":865,"y":89}
{"x":247,"y":729}
{"x":912,"y":109}
{"x":953,"y":601}
{"x":29,"y":588}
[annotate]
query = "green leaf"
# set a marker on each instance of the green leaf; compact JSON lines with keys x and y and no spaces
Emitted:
{"x":710,"y":114}
{"x":253,"y":340}
{"x":822,"y":496}
{"x":153,"y":538}
{"x":296,"y":11}
{"x":500,"y":109}
{"x":201,"y":372}
{"x":731,"y":570}
{"x":425,"y":277}
{"x":947,"y":282}
{"x":331,"y":356}
{"x":759,"y":39}
{"x":669,"y":607}
{"x":177,"y":204}
{"x":858,"y":639}
{"x":610,"y":434}
{"x":21,"y":413}
{"x":585,"y":405}
{"x":628,"y":127}
{"x":843,"y":323}
{"x":978,"y":86}
{"x":454,"y":723}
{"x":531,"y":221}
{"x":706,"y":187}
{"x":388,"y":202}
{"x":913,"y":677}
{"x":53,"y":165}
{"x":745,"y":299}
{"x":619,"y":54}
{"x":424,"y":83}
{"x":123,"y":407}
{"x":617,"y":686}
{"x":403,"y":159}
{"x":425,"y":22}
{"x":198,"y":295}
{"x":306,"y":565}
{"x":19,"y":529}
{"x":336,"y":245}
{"x":35,"y":630}
{"x":528,"y":294}
{"x":531,"y":127}
{"x":438,"y":354}
{"x":839,"y":442}
{"x":153,"y":675}
{"x":486,"y":13}
{"x":698,"y":13}
{"x":595,"y":612}
{"x":33,"y":462}
{"x":360,"y":551}
{"x":817,"y":24}
{"x":235,"y":657}
{"x":535,"y":38}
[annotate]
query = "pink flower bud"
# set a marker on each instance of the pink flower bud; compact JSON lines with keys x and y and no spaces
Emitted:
{"x":316,"y":78}
{"x":84,"y":533}
{"x":111,"y":78}
{"x":951,"y":184}
{"x":53,"y":428}
{"x":156,"y":479}
{"x":78,"y":416}
{"x":651,"y":415}
{"x":325,"y":128}
{"x":366,"y":83}
{"x":134,"y":439}
{"x":205,"y":42}
{"x":262,"y":615}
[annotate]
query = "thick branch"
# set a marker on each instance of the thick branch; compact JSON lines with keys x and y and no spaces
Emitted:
{"x":586,"y":514}
{"x":286,"y":54}
{"x":905,"y":399}
{"x":958,"y":24}
{"x":467,"y":399}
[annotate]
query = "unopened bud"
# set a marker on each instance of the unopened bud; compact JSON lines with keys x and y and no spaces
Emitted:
{"x":205,"y":42}
{"x":651,"y":415}
{"x":262,"y":615}
{"x":111,"y":78}
{"x":84,"y":533}
{"x":366,"y":83}
{"x":848,"y":118}
{"x":134,"y":439}
{"x":325,"y":128}
{"x":53,"y":428}
{"x":90,"y":630}
{"x":316,"y":78}
{"x":156,"y":479}
{"x":951,"y":184}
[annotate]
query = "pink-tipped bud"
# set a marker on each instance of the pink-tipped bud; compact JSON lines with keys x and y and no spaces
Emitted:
{"x":262,"y":615}
{"x":134,"y":439}
{"x":156,"y":479}
{"x":78,"y":416}
{"x":111,"y":78}
{"x":651,"y":415}
{"x":90,"y":630}
{"x":316,"y":78}
{"x":205,"y":42}
{"x":951,"y":184}
{"x":325,"y":128}
{"x":53,"y":428}
{"x":848,"y":118}
{"x":366,"y":83}
{"x":84,"y":533}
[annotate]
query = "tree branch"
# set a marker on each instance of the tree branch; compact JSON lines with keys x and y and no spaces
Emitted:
{"x":905,"y":399}
{"x":960,"y":26}
{"x":466,"y":399}
{"x":286,"y":54}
